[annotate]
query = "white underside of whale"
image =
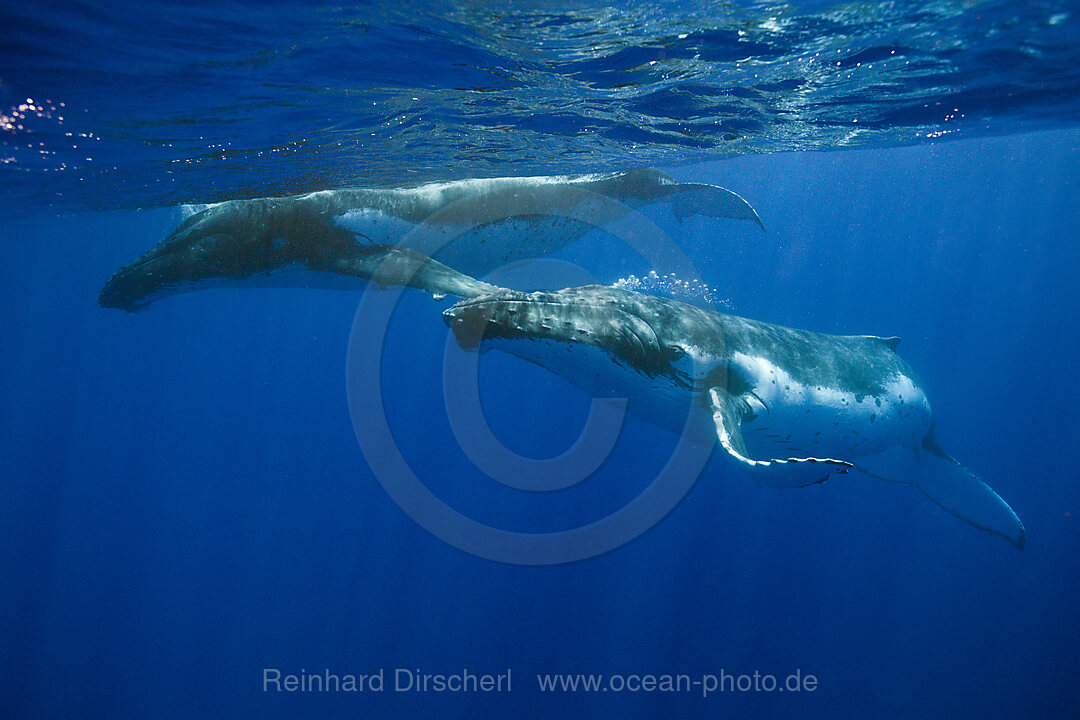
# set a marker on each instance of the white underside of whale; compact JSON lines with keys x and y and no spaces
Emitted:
{"x":789,"y":434}
{"x":489,"y":242}
{"x":822,"y":420}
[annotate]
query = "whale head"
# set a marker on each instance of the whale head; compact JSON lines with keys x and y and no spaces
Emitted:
{"x":234,"y":241}
{"x":652,"y":341}
{"x":221,"y":242}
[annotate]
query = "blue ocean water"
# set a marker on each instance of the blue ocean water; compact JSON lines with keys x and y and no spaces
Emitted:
{"x":185,"y":504}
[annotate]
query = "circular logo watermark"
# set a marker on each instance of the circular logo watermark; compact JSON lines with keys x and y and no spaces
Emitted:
{"x":461,"y":394}
{"x":580,"y":211}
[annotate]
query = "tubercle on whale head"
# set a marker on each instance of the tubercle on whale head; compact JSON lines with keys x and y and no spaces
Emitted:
{"x":592,"y":316}
{"x":160,"y":273}
{"x":244,"y":239}
{"x":228,"y":241}
{"x":212,"y":243}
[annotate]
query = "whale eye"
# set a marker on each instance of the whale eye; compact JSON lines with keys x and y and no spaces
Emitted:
{"x":674,"y":352}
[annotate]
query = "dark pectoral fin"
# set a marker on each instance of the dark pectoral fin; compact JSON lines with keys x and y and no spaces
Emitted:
{"x":728,"y":413}
{"x":394,"y":266}
{"x":709,"y":200}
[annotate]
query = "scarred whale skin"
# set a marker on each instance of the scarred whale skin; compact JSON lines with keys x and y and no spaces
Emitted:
{"x":789,"y":407}
{"x":325,"y":239}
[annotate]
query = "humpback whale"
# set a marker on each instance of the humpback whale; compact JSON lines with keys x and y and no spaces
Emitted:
{"x":338,"y":238}
{"x":789,"y":407}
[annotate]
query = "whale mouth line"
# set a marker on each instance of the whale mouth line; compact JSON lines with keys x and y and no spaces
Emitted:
{"x":540,"y":297}
{"x":631,"y":340}
{"x":496,"y":301}
{"x":524,"y":313}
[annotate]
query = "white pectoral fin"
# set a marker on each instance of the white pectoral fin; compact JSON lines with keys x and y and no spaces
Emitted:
{"x":955,"y":488}
{"x":728,"y":412}
{"x":949,"y":484}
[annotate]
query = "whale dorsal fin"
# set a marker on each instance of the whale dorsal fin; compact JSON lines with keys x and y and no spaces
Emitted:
{"x":889,"y":342}
{"x":728,"y":414}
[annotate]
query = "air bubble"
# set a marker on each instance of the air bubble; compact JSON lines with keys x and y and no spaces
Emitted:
{"x":693,"y":291}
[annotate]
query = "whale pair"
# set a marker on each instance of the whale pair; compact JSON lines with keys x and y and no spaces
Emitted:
{"x":788,"y":407}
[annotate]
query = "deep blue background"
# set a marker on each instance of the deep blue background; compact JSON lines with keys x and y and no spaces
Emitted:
{"x":183,"y":502}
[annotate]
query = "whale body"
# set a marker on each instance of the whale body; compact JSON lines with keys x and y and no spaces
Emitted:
{"x":336,"y":238}
{"x":789,"y":407}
